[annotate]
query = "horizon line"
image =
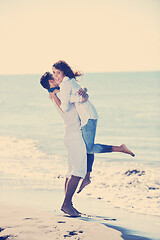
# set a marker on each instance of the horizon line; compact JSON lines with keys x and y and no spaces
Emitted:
{"x":139,"y":71}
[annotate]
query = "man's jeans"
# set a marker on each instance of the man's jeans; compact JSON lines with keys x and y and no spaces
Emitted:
{"x":88,"y":133}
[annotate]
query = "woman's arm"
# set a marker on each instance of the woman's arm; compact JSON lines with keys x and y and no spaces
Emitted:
{"x":56,"y":99}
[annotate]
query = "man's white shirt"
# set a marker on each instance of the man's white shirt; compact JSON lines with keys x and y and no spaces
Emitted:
{"x":71,"y":118}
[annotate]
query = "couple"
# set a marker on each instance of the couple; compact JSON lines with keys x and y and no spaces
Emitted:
{"x":80,"y":121}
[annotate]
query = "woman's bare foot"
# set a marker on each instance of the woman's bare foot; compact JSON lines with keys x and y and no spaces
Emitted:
{"x":124,"y":149}
{"x":70,"y":210}
{"x":84,"y":183}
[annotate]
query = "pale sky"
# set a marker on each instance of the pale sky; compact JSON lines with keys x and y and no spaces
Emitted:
{"x":90,"y":35}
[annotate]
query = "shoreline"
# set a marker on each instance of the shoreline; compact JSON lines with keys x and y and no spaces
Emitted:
{"x":132,"y":226}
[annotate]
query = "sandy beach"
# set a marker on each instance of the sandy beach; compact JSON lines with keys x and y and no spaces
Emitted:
{"x":21,"y":209}
{"x":24,"y":223}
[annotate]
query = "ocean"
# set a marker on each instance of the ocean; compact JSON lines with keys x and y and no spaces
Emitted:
{"x":33,"y":155}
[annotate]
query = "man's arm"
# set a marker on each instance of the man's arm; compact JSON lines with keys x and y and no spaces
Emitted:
{"x":62,"y":100}
{"x":65,"y":90}
{"x":80,"y":96}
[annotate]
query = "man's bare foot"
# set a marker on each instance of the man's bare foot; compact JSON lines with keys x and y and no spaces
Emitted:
{"x":84,"y":183}
{"x":124,"y":149}
{"x":68,"y":209}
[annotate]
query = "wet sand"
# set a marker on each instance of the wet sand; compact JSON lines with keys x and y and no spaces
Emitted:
{"x":23,"y":223}
{"x":132,"y":226}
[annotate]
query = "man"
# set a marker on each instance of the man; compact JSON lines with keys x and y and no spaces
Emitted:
{"x":77,"y":158}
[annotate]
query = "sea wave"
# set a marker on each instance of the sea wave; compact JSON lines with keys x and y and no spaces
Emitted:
{"x":126,"y":185}
{"x":24,"y":165}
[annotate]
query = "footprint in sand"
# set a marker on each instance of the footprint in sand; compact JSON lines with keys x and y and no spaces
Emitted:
{"x":72,"y":233}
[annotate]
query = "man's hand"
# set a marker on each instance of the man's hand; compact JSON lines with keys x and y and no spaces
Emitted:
{"x":82,"y":91}
{"x":85,"y":97}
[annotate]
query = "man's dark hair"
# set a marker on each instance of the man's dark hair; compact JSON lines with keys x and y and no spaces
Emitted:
{"x":44,"y":80}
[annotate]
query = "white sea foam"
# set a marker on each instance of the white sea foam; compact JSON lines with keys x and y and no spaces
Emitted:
{"x":127,"y":185}
{"x":23,"y":165}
